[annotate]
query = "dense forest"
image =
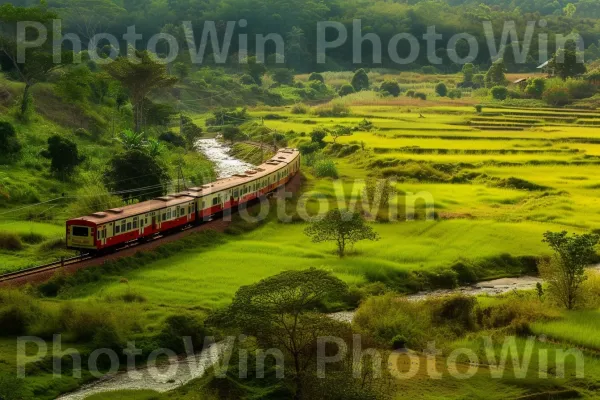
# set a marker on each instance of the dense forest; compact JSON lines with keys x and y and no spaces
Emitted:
{"x":296,"y":22}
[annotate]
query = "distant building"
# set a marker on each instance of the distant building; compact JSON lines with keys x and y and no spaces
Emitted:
{"x":547,"y":69}
{"x":522,"y":83}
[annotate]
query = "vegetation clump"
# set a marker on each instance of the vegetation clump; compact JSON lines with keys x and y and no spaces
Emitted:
{"x":343,"y":227}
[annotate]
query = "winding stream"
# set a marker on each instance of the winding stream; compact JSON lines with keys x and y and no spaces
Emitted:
{"x":218,"y":153}
{"x":491,"y":288}
{"x":163,"y":378}
{"x":179,"y":371}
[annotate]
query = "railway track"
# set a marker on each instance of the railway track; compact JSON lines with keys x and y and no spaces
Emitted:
{"x":24,"y":273}
{"x":72,"y":261}
{"x":47,"y":270}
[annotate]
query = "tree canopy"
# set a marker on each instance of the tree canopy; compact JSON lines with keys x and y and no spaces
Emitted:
{"x":140,"y":78}
{"x":342,"y":227}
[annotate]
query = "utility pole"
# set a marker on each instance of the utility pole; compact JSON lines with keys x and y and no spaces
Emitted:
{"x":180,"y":177}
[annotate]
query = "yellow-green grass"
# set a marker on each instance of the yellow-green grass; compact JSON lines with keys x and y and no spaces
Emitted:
{"x":211,"y":277}
{"x":32,"y":253}
{"x":578,"y":328}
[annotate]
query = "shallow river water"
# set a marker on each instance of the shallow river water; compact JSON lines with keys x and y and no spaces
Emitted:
{"x":217,"y":152}
{"x":188,"y":368}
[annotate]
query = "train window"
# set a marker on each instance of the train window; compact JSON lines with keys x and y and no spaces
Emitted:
{"x":215,"y":201}
{"x":146,"y":222}
{"x":135,"y":224}
{"x":182,"y":212}
{"x":129,"y":226}
{"x":235,"y":193}
{"x":117,"y":229}
{"x":99,"y":235}
{"x":81,"y":231}
{"x":164,"y":218}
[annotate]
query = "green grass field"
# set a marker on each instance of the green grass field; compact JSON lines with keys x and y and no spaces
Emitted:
{"x":480,"y":220}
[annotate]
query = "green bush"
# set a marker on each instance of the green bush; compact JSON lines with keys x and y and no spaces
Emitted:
{"x":283,"y":76}
{"x":346,"y":89}
{"x":441,"y":89}
{"x":391,"y":87}
{"x":332,"y":109}
{"x":315,"y":76}
{"x":178,"y":327}
{"x":535,"y":88}
{"x":14,"y":320}
{"x":300,"y":108}
{"x":420,"y":95}
{"x":32,"y":238}
{"x":455,"y":94}
{"x":398,"y":342}
{"x":172,"y":138}
{"x":360,"y":80}
{"x":580,"y":89}
{"x":457,"y":311}
{"x":479,"y":108}
{"x":247,"y":80}
{"x":557,"y":96}
{"x":10,"y":241}
{"x":326,"y":169}
{"x":9,"y":144}
{"x":410,"y":93}
{"x":499,"y":92}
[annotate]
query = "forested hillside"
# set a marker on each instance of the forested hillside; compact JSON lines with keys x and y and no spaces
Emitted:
{"x":296,"y":22}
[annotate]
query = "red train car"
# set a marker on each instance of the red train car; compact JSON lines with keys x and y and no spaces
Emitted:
{"x":108,"y":229}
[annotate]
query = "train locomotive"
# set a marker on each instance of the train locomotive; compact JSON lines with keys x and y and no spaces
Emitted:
{"x":107,"y":230}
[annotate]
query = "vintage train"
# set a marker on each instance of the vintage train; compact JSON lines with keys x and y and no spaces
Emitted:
{"x":106,"y":230}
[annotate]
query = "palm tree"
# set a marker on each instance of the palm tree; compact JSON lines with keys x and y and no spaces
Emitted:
{"x":132,"y":140}
{"x":154,"y":147}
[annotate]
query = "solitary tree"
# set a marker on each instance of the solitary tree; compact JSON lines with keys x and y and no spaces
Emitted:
{"x":190,"y":131}
{"x":441,"y":89}
{"x":63,"y":155}
{"x":360,"y":80}
{"x":496,"y":75}
{"x":140,"y":78}
{"x":566,"y":64}
{"x":279,"y":312}
{"x":565,"y":271}
{"x":342,"y":227}
{"x":468,"y":71}
{"x":338,"y":131}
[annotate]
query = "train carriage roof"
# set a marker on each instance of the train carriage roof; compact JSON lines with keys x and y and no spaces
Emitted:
{"x":278,"y":161}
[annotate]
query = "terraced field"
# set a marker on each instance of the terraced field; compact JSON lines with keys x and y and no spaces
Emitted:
{"x":543,"y":160}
